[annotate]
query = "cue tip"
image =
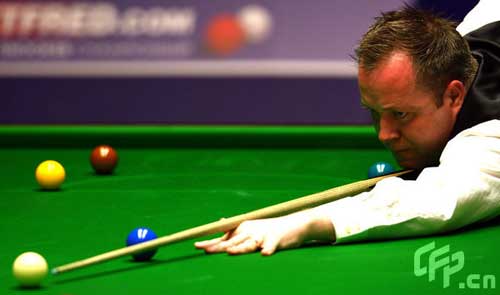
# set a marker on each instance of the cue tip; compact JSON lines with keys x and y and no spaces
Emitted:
{"x":54,"y":272}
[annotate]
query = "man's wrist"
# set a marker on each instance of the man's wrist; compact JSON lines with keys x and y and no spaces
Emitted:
{"x":319,"y":228}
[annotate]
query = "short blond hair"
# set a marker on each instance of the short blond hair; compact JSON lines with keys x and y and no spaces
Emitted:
{"x":438,"y":52}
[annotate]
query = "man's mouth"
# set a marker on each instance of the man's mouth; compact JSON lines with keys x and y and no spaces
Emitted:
{"x":401,"y":153}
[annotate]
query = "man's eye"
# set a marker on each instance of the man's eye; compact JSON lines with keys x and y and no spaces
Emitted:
{"x":400,"y":115}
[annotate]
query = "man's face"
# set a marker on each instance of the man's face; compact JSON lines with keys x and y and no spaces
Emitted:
{"x":405,"y":115}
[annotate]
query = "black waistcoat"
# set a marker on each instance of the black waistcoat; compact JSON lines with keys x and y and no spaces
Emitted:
{"x":482,"y":102}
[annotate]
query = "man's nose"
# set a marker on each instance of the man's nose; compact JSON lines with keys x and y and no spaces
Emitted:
{"x":388,"y":129}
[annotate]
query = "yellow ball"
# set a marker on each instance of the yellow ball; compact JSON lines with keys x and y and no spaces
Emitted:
{"x":50,"y":174}
{"x":30,"y":269}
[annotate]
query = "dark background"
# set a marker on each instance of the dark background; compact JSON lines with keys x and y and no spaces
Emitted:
{"x":204,"y":100}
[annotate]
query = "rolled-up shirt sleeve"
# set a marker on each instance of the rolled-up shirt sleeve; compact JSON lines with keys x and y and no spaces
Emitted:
{"x":463,"y":189}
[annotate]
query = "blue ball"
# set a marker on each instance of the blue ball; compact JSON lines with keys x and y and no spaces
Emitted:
{"x":139,"y":235}
{"x":379,"y":169}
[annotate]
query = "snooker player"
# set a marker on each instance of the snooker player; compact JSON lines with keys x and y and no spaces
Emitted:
{"x":435,"y":101}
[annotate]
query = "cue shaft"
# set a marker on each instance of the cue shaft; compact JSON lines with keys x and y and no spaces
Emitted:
{"x":228,"y":224}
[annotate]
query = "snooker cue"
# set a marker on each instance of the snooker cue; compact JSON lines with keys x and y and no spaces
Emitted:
{"x":228,"y":224}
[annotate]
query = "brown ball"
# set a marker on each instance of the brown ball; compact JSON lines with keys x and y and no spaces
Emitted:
{"x":103,"y":159}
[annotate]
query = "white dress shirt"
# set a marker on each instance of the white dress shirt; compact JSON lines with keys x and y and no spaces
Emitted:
{"x":485,"y":12}
{"x":463,"y":189}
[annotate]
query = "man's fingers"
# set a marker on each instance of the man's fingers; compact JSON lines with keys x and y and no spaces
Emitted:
{"x":223,"y":245}
{"x":269,"y":246}
{"x":209,"y":243}
{"x":247,"y":246}
{"x":204,"y":244}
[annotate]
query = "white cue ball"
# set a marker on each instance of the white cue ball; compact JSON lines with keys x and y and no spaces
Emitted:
{"x":256,"y":21}
{"x":30,"y":269}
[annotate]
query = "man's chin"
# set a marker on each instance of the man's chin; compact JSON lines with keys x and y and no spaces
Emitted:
{"x":414,"y":164}
{"x":408,"y":163}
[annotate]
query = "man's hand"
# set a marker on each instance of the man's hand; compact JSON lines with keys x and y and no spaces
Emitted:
{"x":269,"y":235}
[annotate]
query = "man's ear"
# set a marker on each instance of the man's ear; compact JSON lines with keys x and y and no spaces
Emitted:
{"x":454,"y":95}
